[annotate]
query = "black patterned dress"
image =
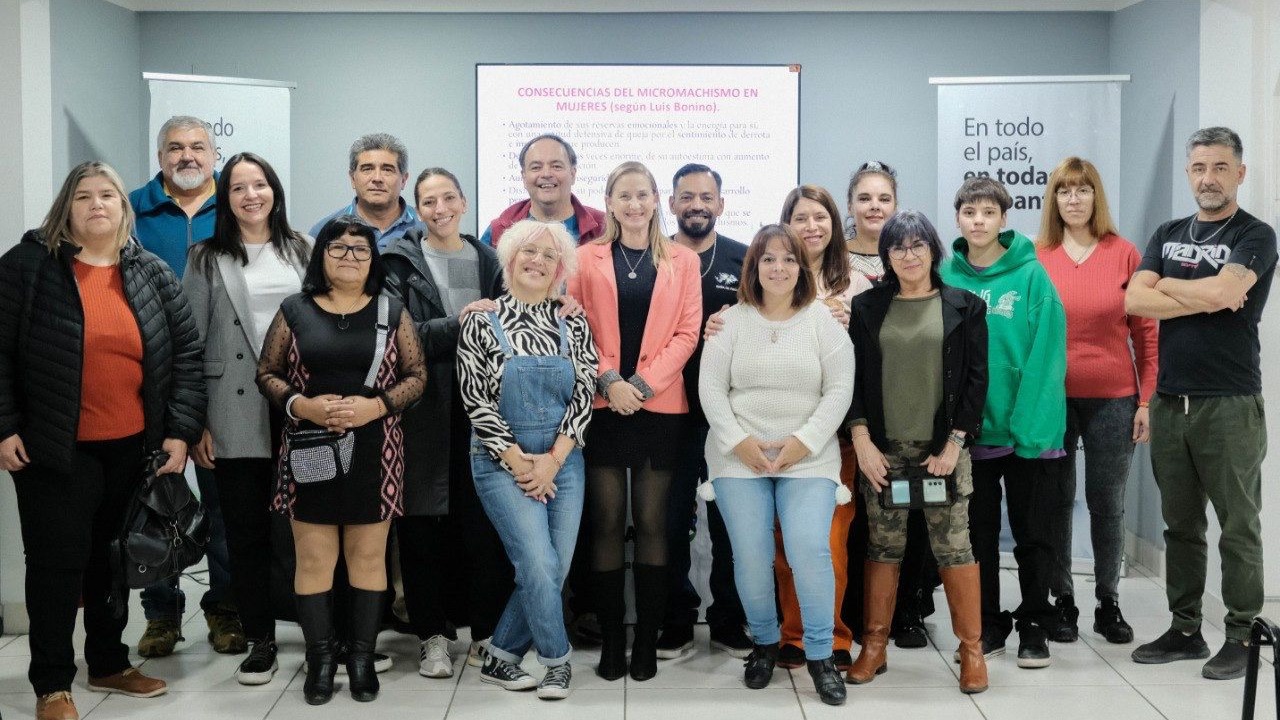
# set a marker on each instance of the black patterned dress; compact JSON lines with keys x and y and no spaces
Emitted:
{"x":311,"y":351}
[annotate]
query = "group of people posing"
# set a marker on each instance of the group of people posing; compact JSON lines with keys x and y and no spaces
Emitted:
{"x":854,"y":401}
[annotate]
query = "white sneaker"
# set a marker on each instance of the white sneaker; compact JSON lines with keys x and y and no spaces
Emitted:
{"x":433,"y":658}
{"x":478,"y":653}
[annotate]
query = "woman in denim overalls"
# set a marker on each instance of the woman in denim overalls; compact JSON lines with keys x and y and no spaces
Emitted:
{"x":527,"y":377}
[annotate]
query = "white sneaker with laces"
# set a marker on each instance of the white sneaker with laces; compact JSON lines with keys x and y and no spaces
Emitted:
{"x":433,"y":658}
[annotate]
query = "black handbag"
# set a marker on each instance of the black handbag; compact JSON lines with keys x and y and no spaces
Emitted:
{"x":320,"y":455}
{"x":165,"y":531}
{"x":913,"y":488}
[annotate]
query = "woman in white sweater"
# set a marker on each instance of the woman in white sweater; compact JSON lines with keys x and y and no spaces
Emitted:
{"x":775,"y":384}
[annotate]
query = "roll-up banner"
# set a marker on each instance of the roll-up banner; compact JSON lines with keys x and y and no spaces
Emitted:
{"x":247,"y":115}
{"x":1016,"y":129}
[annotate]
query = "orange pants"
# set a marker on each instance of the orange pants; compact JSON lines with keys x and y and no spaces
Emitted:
{"x":792,"y":630}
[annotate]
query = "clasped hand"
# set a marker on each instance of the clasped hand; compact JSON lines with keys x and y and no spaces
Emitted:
{"x":875,"y":468}
{"x":337,"y":413}
{"x":624,"y":398}
{"x":770,"y":457}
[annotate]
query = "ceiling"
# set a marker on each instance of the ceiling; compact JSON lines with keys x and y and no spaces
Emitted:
{"x":621,"y":6}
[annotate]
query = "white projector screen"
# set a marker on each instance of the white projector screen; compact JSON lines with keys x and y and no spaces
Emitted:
{"x":741,"y":120}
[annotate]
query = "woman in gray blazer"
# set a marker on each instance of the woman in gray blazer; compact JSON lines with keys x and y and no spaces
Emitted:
{"x":235,"y":282}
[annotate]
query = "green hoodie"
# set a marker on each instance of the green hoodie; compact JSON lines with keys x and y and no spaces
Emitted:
{"x":1027,"y":340}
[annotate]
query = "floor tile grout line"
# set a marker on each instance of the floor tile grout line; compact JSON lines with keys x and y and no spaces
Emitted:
{"x":284,"y":690}
{"x":1126,"y":680}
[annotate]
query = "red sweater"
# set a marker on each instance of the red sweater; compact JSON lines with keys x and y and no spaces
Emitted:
{"x":1099,"y":361}
{"x":111,"y":377}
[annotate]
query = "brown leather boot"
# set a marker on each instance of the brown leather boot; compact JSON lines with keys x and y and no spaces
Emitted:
{"x":964,"y":597}
{"x":881,"y":583}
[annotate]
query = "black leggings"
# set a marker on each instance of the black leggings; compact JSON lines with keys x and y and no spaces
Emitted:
{"x":607,"y":500}
{"x":245,"y":486}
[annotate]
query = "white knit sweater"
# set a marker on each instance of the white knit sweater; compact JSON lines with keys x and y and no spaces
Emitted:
{"x":774,"y":379}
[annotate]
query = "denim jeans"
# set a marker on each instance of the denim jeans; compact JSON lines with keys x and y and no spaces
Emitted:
{"x":1105,"y":425}
{"x":539,"y":540}
{"x":165,"y":600}
{"x":804,"y":508}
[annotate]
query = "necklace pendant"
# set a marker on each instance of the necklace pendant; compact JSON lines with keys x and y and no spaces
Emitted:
{"x":631,"y":275}
{"x":344,"y":323}
{"x":773,"y":337}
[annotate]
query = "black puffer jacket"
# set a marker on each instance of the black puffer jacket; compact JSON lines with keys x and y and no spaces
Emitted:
{"x":41,"y":349}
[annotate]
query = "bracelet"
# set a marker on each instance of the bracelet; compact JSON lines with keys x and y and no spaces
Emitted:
{"x":1144,"y":404}
{"x":288,"y":406}
{"x":559,"y":463}
{"x":956,"y":438}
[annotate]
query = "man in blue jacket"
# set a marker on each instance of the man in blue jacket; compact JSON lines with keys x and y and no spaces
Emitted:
{"x":175,"y":210}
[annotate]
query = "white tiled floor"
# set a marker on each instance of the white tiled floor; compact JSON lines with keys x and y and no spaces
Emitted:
{"x":1089,"y":679}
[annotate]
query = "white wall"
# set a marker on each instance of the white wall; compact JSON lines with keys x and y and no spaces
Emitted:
{"x":26,"y":190}
{"x":1239,"y":84}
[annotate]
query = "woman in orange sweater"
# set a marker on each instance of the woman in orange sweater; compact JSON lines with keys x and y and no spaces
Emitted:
{"x":1107,"y":392}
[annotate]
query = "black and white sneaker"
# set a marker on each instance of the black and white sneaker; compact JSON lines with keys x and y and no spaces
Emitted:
{"x":260,"y":666}
{"x":732,"y":639}
{"x":506,"y":675}
{"x":555,"y":684}
{"x":1033,"y":646}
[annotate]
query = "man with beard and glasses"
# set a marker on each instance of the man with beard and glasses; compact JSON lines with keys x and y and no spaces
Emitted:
{"x":1206,"y":278}
{"x":548,"y":167}
{"x":696,"y":203}
{"x":378,"y":165}
{"x":175,"y":210}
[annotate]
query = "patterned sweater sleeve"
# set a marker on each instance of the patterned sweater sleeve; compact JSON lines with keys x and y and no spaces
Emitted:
{"x":273,"y":364}
{"x":479,"y":371}
{"x":411,"y":369}
{"x":582,"y":352}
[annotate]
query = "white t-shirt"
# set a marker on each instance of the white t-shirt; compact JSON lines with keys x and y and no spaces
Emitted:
{"x":270,"y":280}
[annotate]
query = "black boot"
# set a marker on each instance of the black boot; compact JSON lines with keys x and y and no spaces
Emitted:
{"x":366,"y":620}
{"x":315,"y":617}
{"x":651,"y":608}
{"x":760,"y":664}
{"x":827,"y":681}
{"x":610,"y":609}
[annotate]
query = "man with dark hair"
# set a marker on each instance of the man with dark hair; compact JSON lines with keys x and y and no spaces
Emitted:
{"x":378,"y":165}
{"x":175,"y":210}
{"x":1206,"y":278}
{"x":696,"y":203}
{"x":548,"y":166}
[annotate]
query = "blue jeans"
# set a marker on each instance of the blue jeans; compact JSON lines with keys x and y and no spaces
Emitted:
{"x":165,"y":600}
{"x":804,"y":508}
{"x":539,"y":540}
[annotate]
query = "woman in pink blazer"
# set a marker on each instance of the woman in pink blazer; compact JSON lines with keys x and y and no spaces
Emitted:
{"x":643,"y":298}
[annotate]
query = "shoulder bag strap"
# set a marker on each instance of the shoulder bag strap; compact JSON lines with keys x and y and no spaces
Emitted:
{"x":380,"y":342}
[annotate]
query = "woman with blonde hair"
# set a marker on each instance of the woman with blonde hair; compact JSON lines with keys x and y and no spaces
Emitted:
{"x":527,"y":378}
{"x":1107,"y":392}
{"x":643,"y":299}
{"x":99,"y":369}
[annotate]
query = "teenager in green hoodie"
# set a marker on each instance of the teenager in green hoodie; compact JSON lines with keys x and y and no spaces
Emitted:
{"x":1025,"y":414}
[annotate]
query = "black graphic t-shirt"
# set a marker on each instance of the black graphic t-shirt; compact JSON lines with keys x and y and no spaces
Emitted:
{"x":721,"y":267}
{"x":1213,"y":353}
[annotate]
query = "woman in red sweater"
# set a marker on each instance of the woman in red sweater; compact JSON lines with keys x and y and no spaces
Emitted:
{"x":1108,"y":385}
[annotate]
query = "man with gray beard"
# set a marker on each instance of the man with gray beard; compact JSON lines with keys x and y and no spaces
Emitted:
{"x":175,"y":210}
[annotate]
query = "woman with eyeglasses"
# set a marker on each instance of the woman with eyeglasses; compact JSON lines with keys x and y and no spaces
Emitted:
{"x":315,"y":366}
{"x":1107,"y":391}
{"x":920,"y":385}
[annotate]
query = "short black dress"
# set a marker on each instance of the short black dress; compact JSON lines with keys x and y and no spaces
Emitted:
{"x":314,"y":352}
{"x":631,"y":441}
